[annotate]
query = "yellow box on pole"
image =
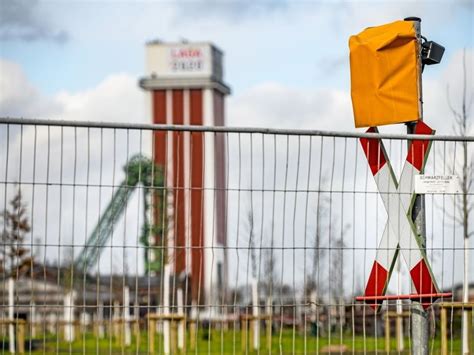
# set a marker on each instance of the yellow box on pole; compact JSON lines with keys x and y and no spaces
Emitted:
{"x":385,"y":75}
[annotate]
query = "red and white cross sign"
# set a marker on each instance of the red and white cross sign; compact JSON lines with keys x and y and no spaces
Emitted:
{"x":399,"y":233}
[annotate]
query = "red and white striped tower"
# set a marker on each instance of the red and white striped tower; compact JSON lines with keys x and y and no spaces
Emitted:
{"x":185,"y":86}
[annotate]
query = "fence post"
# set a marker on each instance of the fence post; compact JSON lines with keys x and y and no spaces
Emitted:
{"x":269,"y":333}
{"x":173,"y":336}
{"x":20,"y":336}
{"x":95,"y":326}
{"x":243,"y":332}
{"x":251,"y":334}
{"x":192,"y":334}
{"x":127,"y":334}
{"x":115,"y":318}
{"x":255,"y":324}
{"x":166,"y":308}
{"x":444,"y":330}
{"x":269,"y":324}
{"x":77,"y":329}
{"x":182,"y":322}
{"x":11,"y":313}
{"x":33,"y":319}
{"x":151,"y":334}
{"x":469,"y":330}
{"x":399,"y":323}
{"x":100,"y":320}
{"x":387,"y":332}
{"x":399,"y":328}
{"x":136,"y":324}
{"x":69,"y":317}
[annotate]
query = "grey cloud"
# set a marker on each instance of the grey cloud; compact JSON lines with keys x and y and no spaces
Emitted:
{"x":21,"y":20}
{"x":231,"y":10}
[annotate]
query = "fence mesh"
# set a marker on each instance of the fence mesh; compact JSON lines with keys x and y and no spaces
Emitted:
{"x":138,"y":239}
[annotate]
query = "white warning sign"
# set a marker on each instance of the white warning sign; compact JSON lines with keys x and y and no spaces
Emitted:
{"x":437,"y":184}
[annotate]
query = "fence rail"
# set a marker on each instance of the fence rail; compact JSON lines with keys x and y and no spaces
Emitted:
{"x":227,"y":129}
{"x":148,"y":238}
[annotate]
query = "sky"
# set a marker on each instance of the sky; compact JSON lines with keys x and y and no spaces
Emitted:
{"x":63,"y":51}
{"x":287,"y":63}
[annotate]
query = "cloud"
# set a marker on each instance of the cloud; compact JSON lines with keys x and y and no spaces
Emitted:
{"x":116,"y":99}
{"x":273,"y":104}
{"x":18,"y":96}
{"x":228,"y":9}
{"x":276,"y":105}
{"x":22,"y":20}
{"x":56,"y":157}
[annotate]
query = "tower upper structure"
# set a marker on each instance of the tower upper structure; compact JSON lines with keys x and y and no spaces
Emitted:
{"x":185,"y":86}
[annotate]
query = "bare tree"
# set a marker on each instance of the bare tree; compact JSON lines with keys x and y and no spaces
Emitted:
{"x":251,"y":243}
{"x":254,"y":282}
{"x":325,"y":281}
{"x":269,"y":264}
{"x":336,"y":264}
{"x":68,"y":270}
{"x":14,"y":256}
{"x":318,"y":249}
{"x":464,"y":203}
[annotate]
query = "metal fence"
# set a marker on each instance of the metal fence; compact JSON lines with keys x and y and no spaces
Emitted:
{"x":130,"y":238}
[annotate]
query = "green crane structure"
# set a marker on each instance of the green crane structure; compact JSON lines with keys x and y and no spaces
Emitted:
{"x":139,"y":171}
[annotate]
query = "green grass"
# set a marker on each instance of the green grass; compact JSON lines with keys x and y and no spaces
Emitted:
{"x":227,"y":342}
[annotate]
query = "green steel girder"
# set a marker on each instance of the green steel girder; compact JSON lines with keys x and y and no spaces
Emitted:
{"x":139,"y":171}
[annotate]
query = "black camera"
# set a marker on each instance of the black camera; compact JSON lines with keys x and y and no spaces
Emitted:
{"x":431,"y":52}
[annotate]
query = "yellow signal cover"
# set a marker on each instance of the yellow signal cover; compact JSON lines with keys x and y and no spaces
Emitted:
{"x":385,"y":75}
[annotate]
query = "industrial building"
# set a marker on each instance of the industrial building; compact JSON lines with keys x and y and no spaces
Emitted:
{"x":184,"y":84}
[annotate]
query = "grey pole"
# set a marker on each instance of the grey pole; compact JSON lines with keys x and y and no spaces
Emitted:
{"x":419,"y":317}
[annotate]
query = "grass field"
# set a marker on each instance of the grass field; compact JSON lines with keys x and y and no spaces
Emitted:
{"x":228,"y":342}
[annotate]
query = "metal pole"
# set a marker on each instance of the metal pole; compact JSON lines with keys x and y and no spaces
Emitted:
{"x":166,"y":308}
{"x":126,"y":317}
{"x":419,"y":317}
{"x":182,"y":323}
{"x":100,"y":320}
{"x":11,"y":314}
{"x":69,"y":316}
{"x":255,"y":323}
